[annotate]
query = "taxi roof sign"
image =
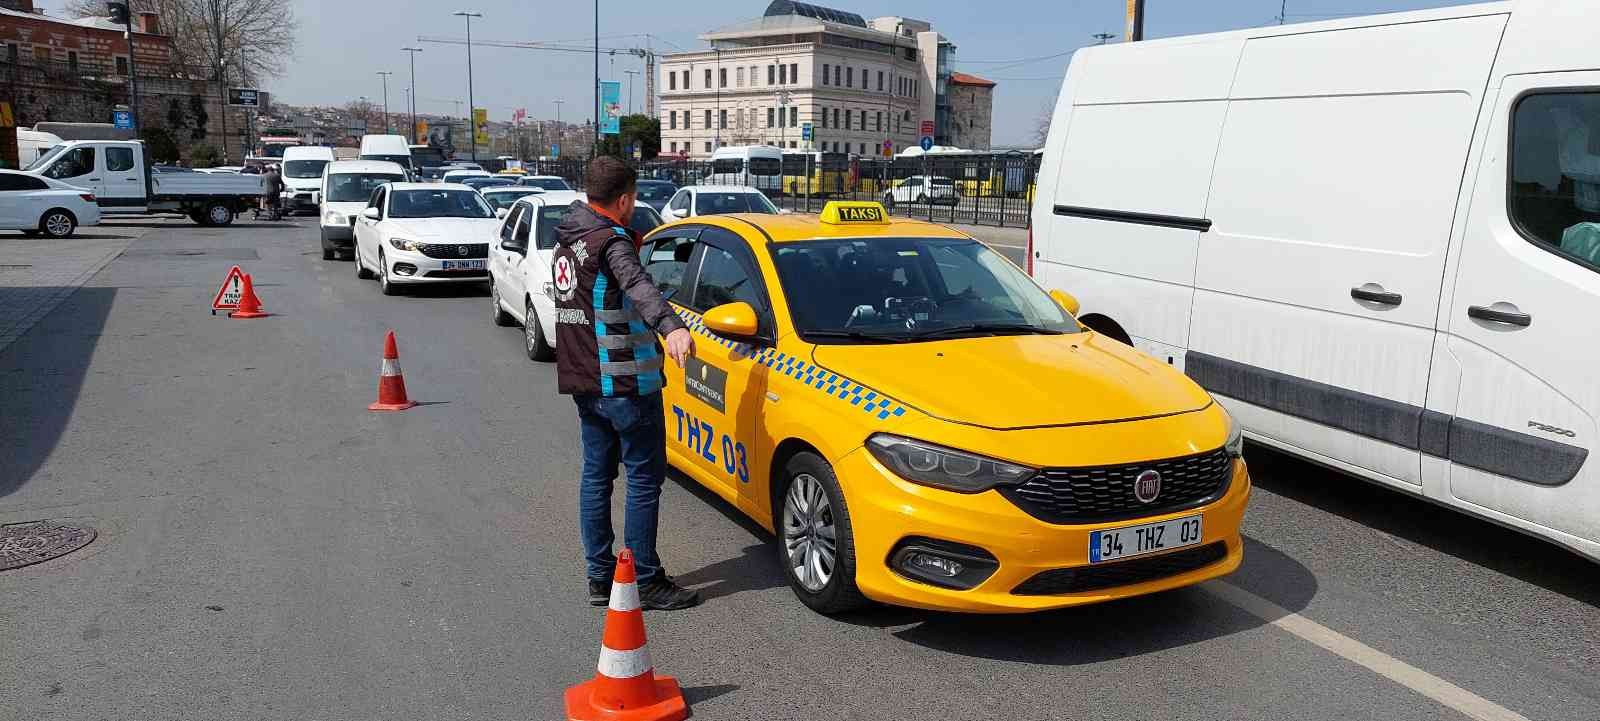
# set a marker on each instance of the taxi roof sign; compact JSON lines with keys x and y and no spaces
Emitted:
{"x":840,"y":212}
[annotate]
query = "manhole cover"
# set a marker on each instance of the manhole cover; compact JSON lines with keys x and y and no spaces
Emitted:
{"x":24,"y":544}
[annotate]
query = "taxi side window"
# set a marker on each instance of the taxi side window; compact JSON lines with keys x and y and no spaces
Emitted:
{"x":667,"y":261}
{"x":723,"y":278}
{"x":508,"y":228}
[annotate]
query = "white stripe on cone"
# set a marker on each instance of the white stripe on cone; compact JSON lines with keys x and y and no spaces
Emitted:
{"x":624,"y":597}
{"x":391,"y":367}
{"x":623,"y":664}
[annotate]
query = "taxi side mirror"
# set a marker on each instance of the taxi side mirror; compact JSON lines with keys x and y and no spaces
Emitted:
{"x":501,"y":212}
{"x":372,"y":214}
{"x":1066,"y":301}
{"x":735,"y":321}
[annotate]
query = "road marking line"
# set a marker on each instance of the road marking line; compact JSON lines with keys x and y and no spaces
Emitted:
{"x":1383,"y":664}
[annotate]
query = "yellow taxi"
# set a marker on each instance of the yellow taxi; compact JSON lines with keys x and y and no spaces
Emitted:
{"x":922,"y":425}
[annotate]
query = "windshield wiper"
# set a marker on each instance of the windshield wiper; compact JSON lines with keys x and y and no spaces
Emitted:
{"x":858,"y":335}
{"x":995,"y":328}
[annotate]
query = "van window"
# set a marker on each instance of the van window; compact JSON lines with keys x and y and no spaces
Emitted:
{"x":119,"y":159}
{"x":1555,"y":172}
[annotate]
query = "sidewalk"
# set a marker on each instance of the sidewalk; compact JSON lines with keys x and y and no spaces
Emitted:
{"x":37,"y":274}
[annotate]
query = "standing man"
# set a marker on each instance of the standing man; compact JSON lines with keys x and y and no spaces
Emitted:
{"x":608,"y":314}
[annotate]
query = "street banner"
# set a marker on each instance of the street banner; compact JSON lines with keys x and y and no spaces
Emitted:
{"x":610,"y":107}
{"x":228,"y":295}
{"x":480,"y":125}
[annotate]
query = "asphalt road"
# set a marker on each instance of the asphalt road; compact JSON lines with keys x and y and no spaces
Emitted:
{"x":270,"y":550}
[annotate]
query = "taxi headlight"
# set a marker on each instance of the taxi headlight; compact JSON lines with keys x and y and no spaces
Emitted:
{"x":403,"y":244}
{"x":946,"y":468}
{"x":1235,"y":443}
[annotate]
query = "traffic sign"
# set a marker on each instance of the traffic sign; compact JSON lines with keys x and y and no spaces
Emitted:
{"x":805,"y":131}
{"x":244,"y":97}
{"x":122,"y":119}
{"x":927,"y":143}
{"x":927,"y":128}
{"x":228,"y":295}
{"x":888,"y":148}
{"x":555,"y":150}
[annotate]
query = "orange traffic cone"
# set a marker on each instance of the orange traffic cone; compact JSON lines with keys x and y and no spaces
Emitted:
{"x":391,"y":383}
{"x":249,"y":304}
{"x":625,"y":686}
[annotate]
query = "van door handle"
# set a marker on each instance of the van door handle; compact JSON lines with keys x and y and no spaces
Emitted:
{"x":1495,"y":315}
{"x":96,"y":180}
{"x":1374,"y":293}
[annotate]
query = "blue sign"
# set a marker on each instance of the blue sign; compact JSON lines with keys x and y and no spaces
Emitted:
{"x":805,"y":131}
{"x":927,"y":143}
{"x":122,"y":119}
{"x":610,"y":107}
{"x":555,"y":151}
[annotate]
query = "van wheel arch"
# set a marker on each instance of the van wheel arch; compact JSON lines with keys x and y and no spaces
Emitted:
{"x":1106,"y":327}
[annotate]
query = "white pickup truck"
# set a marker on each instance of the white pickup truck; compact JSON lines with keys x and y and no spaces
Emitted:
{"x":124,"y":183}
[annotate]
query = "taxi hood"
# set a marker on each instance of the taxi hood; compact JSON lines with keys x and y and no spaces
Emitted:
{"x":1019,"y":381}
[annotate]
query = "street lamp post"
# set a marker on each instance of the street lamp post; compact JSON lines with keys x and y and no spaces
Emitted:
{"x":385,"y":75}
{"x":413,"y":52}
{"x":472,"y":124}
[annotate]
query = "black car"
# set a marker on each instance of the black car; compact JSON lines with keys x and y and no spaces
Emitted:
{"x":656,"y":193}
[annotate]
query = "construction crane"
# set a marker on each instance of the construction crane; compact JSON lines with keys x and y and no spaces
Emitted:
{"x":646,"y":53}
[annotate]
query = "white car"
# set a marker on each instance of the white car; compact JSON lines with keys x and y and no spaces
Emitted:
{"x":546,"y":182}
{"x":456,"y":176}
{"x":695,"y":200}
{"x":38,"y":205}
{"x":347,"y":187}
{"x":502,"y":197}
{"x":520,"y":290}
{"x":923,"y":190}
{"x":416,"y":233}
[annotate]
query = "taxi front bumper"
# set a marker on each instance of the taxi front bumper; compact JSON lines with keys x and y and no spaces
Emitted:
{"x":888,"y":512}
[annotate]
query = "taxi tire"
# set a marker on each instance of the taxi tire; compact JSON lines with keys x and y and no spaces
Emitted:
{"x":533,"y":340}
{"x":840,"y":595}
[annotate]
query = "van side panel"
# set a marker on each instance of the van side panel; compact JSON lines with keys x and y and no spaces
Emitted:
{"x":1140,"y":164}
{"x":1338,"y":175}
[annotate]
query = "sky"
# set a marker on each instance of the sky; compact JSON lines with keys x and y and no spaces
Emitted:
{"x":1024,"y":45}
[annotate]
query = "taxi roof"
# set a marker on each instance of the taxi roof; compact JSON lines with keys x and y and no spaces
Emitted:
{"x":798,"y":228}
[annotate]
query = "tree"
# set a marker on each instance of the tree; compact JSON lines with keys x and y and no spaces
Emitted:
{"x":250,"y":39}
{"x":641,"y":130}
{"x":204,"y":155}
{"x":1041,"y":130}
{"x":162,"y":147}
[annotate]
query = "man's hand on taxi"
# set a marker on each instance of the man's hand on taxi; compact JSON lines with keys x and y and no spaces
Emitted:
{"x":680,"y":345}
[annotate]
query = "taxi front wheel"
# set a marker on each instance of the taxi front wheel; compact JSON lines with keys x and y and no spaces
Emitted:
{"x":816,"y":545}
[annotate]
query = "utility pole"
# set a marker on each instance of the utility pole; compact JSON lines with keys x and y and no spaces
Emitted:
{"x":385,"y":75}
{"x":125,"y":11}
{"x":560,"y":132}
{"x":1135,"y":30}
{"x":413,"y":52}
{"x":472,"y":108}
{"x":716,"y":81}
{"x":630,"y":74}
{"x":595,"y":150}
{"x":222,"y":74}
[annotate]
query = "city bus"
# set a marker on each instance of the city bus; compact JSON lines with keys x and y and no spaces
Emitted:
{"x":827,"y":174}
{"x":756,"y":166}
{"x":274,"y":141}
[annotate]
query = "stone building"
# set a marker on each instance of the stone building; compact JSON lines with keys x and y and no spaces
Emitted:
{"x":971,"y":111}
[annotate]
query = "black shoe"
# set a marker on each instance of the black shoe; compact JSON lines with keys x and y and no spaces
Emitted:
{"x":662,"y":594}
{"x":599,"y":593}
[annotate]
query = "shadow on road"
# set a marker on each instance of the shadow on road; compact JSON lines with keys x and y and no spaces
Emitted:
{"x":1442,"y":529}
{"x":445,"y":290}
{"x":701,"y":694}
{"x":754,"y":569}
{"x":41,"y":374}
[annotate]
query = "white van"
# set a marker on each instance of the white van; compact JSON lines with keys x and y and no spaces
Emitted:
{"x":302,"y":176}
{"x":392,"y":148}
{"x":1376,"y":239}
{"x":31,"y":144}
{"x":345,"y":190}
{"x":757,"y":166}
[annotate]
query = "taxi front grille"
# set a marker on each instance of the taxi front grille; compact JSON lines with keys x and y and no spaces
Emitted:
{"x":451,"y":251}
{"x":1105,"y":493}
{"x":1123,"y":573}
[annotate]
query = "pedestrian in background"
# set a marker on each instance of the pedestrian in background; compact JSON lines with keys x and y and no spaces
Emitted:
{"x":608,"y":315}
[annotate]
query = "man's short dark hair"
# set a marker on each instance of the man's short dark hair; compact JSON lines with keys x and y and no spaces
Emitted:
{"x":608,"y":178}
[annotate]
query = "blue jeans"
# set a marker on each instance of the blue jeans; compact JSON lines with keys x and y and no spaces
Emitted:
{"x":630,"y":430}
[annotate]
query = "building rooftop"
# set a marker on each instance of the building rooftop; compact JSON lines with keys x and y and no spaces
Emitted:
{"x":965,"y":79}
{"x":786,"y":7}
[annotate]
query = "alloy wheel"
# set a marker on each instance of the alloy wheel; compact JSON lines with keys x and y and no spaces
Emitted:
{"x":810,"y":537}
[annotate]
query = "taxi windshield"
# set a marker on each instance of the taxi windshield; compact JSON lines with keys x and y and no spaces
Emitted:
{"x":910,"y":289}
{"x":443,"y":203}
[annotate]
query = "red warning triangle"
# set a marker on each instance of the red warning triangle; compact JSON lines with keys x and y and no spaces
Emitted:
{"x":228,"y":295}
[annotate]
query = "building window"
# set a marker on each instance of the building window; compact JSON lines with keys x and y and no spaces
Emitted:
{"x":672,"y":120}
{"x":708,"y":77}
{"x":708,"y":147}
{"x":771,"y":118}
{"x":783,"y":74}
{"x":672,"y":80}
{"x":877,"y":123}
{"x":822,"y":114}
{"x":674,"y":144}
{"x":685,"y":80}
{"x":122,"y":65}
{"x":794,"y":116}
{"x":835,"y":75}
{"x":772,"y":75}
{"x":836,"y":119}
{"x":722,"y":77}
{"x":880,"y":81}
{"x":11,"y":53}
{"x":738,"y":77}
{"x":708,"y":119}
{"x":722,"y":119}
{"x":794,"y":72}
{"x":824,"y":73}
{"x":849,"y":77}
{"x":72,"y":60}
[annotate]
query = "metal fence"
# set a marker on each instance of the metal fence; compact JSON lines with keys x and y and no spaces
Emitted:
{"x":990,"y":189}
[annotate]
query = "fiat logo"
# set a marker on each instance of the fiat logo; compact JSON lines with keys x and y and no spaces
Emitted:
{"x":1147,"y":486}
{"x":461,"y":249}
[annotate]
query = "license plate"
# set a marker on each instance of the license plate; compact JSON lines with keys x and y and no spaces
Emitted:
{"x":1113,"y":544}
{"x":464,"y":265}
